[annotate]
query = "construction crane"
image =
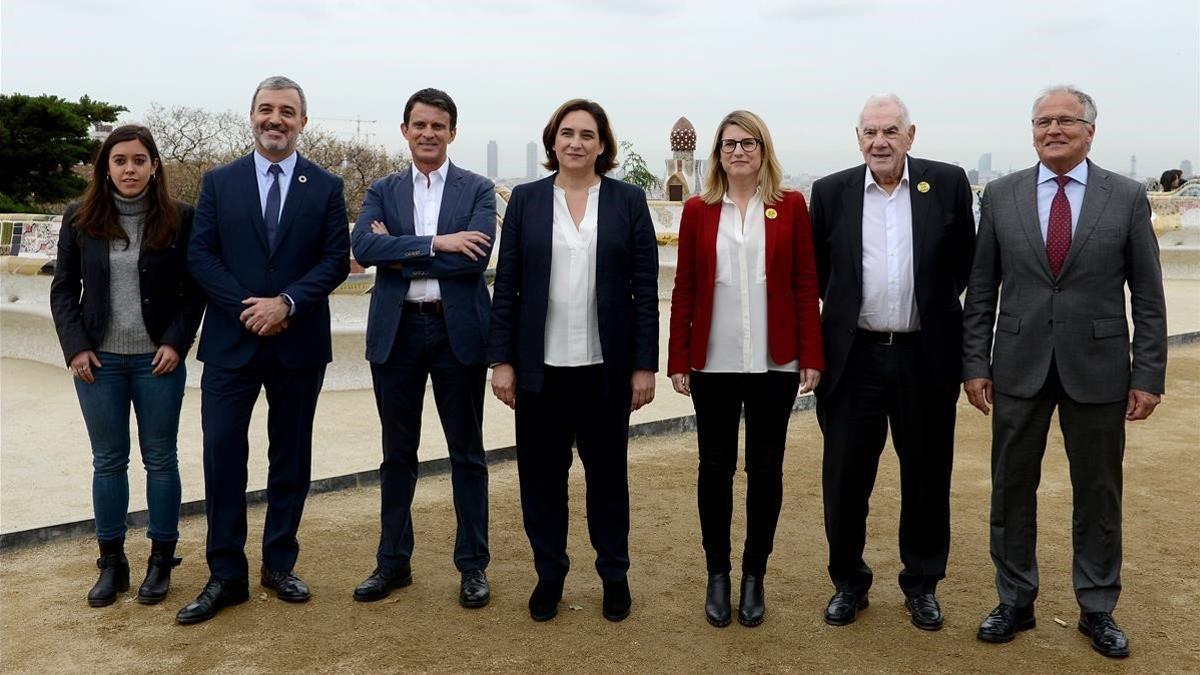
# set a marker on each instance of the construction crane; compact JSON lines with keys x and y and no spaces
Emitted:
{"x":358,"y":122}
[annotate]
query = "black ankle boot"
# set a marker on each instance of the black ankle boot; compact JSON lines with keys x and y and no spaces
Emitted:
{"x":114,"y":574}
{"x":158,"y":573}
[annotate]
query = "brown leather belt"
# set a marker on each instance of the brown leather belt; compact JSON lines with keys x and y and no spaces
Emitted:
{"x":885,"y":338}
{"x":431,"y":307}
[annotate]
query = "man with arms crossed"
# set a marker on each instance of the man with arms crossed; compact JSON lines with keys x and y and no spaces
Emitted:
{"x":1062,"y":239}
{"x":428,"y":230}
{"x":269,"y":244}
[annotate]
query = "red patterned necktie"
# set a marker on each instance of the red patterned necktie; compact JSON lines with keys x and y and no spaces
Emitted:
{"x":1058,"y":230}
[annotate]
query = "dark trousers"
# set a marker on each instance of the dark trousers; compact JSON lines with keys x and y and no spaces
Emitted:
{"x":227,"y":400}
{"x":1094,"y":436}
{"x":422,"y":351}
{"x":719,"y":399}
{"x":575,"y":406}
{"x":882,"y":386}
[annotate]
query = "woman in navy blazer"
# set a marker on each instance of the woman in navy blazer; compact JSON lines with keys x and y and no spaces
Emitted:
{"x":574,"y":345}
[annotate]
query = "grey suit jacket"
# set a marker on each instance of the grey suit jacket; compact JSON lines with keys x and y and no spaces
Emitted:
{"x":1078,"y":318}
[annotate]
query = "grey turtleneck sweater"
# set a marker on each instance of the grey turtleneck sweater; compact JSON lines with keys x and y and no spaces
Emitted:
{"x":126,"y":329}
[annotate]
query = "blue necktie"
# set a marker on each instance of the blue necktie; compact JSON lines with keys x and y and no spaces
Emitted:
{"x":271,"y":217}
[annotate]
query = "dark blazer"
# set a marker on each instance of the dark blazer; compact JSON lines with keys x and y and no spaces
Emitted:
{"x":231,"y":261}
{"x":468,"y":203}
{"x":626,"y":282}
{"x":1077,"y":318}
{"x":943,"y":240}
{"x":172,"y":304}
{"x":793,"y":318}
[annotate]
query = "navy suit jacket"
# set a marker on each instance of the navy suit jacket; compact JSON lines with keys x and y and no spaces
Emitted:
{"x":230,"y":259}
{"x":468,"y":203}
{"x":626,"y":282}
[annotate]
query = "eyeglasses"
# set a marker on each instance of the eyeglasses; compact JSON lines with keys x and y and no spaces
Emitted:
{"x":1063,"y":122}
{"x":748,"y":145}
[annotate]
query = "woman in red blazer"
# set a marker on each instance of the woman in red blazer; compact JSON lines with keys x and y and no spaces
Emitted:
{"x":745,"y":335}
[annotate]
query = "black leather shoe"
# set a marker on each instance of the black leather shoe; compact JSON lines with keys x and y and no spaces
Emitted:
{"x":158,"y":573}
{"x":617,"y":601}
{"x":843,"y":608}
{"x":287,"y":586}
{"x":1004,"y":622}
{"x":716,"y":602}
{"x":543,"y":603}
{"x":114,"y":574}
{"x":217,"y":594}
{"x":381,"y":582}
{"x":1107,"y":637}
{"x":925,"y":611}
{"x":753,"y":603}
{"x":474,"y":591}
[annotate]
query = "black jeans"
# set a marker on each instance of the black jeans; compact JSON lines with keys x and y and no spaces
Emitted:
{"x":422,"y":352}
{"x":575,"y":406}
{"x":719,"y":399}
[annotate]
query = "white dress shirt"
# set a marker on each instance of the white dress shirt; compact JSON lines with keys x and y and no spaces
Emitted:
{"x":888,"y":302}
{"x":262,"y":170}
{"x":427,"y":206}
{"x":1047,"y":188}
{"x":737,"y":337}
{"x":572,"y":328}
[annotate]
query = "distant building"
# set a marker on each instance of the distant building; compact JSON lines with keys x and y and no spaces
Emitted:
{"x":1186,"y":167}
{"x":973,"y":176}
{"x":493,"y":160}
{"x":985,"y":163}
{"x":1133,"y":166}
{"x":684,"y":171}
{"x":531,"y":160}
{"x":100,"y":131}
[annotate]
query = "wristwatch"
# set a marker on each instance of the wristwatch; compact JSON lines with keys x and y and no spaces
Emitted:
{"x":288,"y":301}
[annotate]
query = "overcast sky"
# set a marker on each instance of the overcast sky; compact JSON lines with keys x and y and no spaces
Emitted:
{"x":967,"y":70}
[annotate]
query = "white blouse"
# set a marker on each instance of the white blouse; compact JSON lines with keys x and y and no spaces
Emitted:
{"x":572,"y":329}
{"x":737,"y":341}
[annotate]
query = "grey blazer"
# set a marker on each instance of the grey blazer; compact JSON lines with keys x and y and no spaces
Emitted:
{"x":1079,"y":318}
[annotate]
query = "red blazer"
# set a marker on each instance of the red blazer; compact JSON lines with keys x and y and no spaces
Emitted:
{"x":793,"y":316}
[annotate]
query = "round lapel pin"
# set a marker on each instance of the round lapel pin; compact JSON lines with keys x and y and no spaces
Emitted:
{"x":771,"y":213}
{"x":922,"y":187}
{"x":304,"y":179}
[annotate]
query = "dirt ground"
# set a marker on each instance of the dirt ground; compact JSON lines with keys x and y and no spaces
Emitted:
{"x":46,"y":626}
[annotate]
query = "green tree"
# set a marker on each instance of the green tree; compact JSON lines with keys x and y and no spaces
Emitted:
{"x":42,"y":139}
{"x":636,"y":171}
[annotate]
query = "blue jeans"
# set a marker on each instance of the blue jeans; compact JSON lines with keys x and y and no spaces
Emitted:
{"x":122,"y":380}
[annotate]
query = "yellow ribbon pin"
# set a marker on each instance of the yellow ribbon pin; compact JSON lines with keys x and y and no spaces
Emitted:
{"x":922,"y":187}
{"x":771,"y":213}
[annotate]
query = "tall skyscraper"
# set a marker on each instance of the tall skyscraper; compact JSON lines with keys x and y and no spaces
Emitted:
{"x":1133,"y":166}
{"x":531,"y":163}
{"x":985,"y":164}
{"x":493,"y":160}
{"x":1186,"y":167}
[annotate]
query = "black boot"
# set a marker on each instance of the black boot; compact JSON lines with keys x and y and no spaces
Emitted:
{"x":114,"y":573}
{"x":158,"y":573}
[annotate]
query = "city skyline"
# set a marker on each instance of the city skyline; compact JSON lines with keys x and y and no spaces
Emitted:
{"x":969,"y":76}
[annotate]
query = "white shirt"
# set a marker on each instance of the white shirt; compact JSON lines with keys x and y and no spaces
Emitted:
{"x":888,"y":302}
{"x":427,"y":206}
{"x":737,"y":338}
{"x":1047,"y":188}
{"x":572,"y":328}
{"x":262,"y":167}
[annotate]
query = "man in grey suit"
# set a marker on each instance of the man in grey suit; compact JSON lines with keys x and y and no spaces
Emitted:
{"x":1063,"y":239}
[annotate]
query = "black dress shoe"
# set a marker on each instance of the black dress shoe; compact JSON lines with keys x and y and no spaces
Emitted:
{"x":716,"y":602}
{"x":617,"y":601}
{"x":1107,"y":637}
{"x":474,"y":591}
{"x":1004,"y":622}
{"x":543,"y":602}
{"x":114,"y":574}
{"x":752,"y":606}
{"x":158,"y":573}
{"x":381,"y":582}
{"x":287,"y":586}
{"x":925,"y":611}
{"x":843,"y":608}
{"x":217,"y":594}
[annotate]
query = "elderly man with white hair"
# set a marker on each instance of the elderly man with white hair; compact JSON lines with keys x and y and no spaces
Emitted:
{"x":893,"y":239}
